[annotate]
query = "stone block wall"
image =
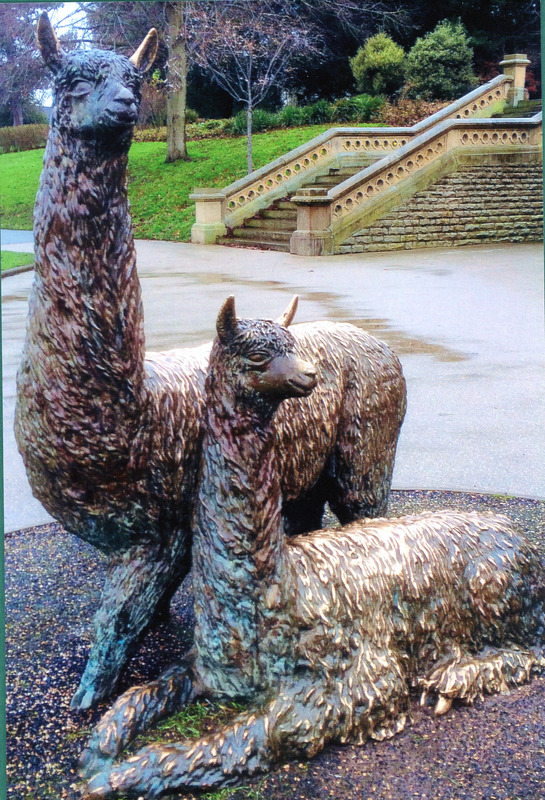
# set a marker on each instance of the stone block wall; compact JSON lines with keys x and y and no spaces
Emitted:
{"x":475,"y":205}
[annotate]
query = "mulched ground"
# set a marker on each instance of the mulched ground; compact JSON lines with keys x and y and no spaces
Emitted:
{"x":493,"y":751}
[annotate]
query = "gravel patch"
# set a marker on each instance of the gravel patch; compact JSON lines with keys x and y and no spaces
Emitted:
{"x":493,"y":751}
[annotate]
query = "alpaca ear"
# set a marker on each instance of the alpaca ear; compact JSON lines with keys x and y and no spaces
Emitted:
{"x":49,"y":44}
{"x":287,"y":317}
{"x":144,"y":57}
{"x":226,"y":323}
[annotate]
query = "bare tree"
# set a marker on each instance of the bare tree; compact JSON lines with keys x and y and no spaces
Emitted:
{"x":249,"y":47}
{"x":21,"y":69}
{"x":177,"y":16}
{"x":122,"y":26}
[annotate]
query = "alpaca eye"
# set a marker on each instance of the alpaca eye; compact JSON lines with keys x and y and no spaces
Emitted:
{"x":81,"y":89}
{"x":258,"y":359}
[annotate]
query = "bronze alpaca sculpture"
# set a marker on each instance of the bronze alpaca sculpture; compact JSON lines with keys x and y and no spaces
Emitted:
{"x":324,"y":634}
{"x":111,"y":437}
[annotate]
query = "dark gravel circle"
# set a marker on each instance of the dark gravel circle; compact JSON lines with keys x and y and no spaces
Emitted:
{"x":492,"y":751}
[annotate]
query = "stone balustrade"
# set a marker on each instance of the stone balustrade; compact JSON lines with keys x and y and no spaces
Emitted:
{"x":324,"y":219}
{"x":218,"y":209}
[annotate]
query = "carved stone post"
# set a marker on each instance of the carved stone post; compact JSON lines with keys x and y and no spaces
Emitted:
{"x":209,"y":210}
{"x":514,"y":66}
{"x":313,"y":236}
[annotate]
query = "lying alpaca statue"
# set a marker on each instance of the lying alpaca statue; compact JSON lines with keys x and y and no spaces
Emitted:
{"x":324,"y":634}
{"x":111,"y":437}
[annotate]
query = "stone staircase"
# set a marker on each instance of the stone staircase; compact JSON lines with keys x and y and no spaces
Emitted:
{"x":271,"y":229}
{"x":500,"y":202}
{"x":349,"y":189}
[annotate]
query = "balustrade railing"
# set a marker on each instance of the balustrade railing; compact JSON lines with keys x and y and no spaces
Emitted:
{"x":216,"y":210}
{"x":324,"y":216}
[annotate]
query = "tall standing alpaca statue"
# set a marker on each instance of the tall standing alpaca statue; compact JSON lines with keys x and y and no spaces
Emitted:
{"x":323,"y":634}
{"x":111,"y":437}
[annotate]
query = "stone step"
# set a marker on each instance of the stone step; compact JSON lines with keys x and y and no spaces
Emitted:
{"x":279,"y":224}
{"x":269,"y":235}
{"x":284,"y":205}
{"x":257,"y":243}
{"x":280,"y":213}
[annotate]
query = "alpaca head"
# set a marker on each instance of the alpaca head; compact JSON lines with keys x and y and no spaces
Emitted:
{"x":96,"y":93}
{"x":255,"y":361}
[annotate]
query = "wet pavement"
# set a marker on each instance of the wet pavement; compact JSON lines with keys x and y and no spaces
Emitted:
{"x":467,"y":324}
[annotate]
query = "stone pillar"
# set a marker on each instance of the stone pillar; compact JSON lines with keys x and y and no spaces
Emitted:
{"x":313,"y":236}
{"x":209,"y":212}
{"x":514,"y":66}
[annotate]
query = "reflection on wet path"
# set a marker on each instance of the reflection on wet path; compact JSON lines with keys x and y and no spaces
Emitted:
{"x":313,"y":305}
{"x":467,"y":324}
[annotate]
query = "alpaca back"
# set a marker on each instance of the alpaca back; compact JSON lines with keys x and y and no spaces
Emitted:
{"x":418,"y":583}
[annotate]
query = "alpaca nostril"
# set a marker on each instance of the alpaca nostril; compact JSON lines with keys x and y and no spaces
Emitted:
{"x":309,"y":371}
{"x":125,"y":96}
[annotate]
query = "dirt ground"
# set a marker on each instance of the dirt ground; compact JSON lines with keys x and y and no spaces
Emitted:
{"x":492,"y":751}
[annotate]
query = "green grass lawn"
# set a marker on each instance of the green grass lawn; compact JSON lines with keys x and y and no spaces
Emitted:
{"x":10,"y":260}
{"x":159,"y":192}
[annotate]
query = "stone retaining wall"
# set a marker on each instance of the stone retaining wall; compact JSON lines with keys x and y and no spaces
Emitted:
{"x":475,"y":205}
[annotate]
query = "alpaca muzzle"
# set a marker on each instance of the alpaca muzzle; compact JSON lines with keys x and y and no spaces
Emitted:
{"x":287,"y":376}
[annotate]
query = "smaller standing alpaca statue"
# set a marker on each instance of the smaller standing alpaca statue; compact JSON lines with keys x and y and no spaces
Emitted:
{"x":322,"y":634}
{"x":110,"y":435}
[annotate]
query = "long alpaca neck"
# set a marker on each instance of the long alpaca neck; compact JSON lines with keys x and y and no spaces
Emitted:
{"x":238,"y":546}
{"x":81,"y":379}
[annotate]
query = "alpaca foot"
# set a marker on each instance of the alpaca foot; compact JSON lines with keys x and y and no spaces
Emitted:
{"x":120,"y":781}
{"x":223,"y":758}
{"x":467,"y":678}
{"x":135,"y":711}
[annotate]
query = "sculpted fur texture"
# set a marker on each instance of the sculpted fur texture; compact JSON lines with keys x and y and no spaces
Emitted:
{"x":110,"y":436}
{"x":325,"y":634}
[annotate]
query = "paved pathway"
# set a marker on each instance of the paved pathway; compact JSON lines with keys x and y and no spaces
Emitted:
{"x":466,"y":322}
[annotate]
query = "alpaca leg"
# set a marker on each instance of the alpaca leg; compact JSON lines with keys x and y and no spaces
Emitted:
{"x":135,"y":711}
{"x":239,"y":749}
{"x":467,"y":677}
{"x":304,"y":514}
{"x":361,"y":480}
{"x":363,"y":460}
{"x":299,"y":721}
{"x":358,"y":495}
{"x":136,"y":583}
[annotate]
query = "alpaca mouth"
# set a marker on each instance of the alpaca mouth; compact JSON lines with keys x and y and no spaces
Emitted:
{"x":302,"y":387}
{"x":122,"y":118}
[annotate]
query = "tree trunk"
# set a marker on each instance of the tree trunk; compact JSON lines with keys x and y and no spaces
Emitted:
{"x":17,"y":110}
{"x":249,"y":115}
{"x":177,"y":94}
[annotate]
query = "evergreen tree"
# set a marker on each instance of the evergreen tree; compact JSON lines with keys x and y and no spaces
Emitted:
{"x":439,"y":65}
{"x":378,"y":66}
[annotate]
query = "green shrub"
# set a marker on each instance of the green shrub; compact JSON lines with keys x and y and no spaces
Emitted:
{"x":439,"y":65}
{"x":361,"y":108}
{"x":237,"y":126}
{"x":23,"y":137}
{"x":291,"y":116}
{"x":191,"y":115}
{"x":150,"y":134}
{"x":319,"y":112}
{"x":263,"y":120}
{"x":378,"y":66}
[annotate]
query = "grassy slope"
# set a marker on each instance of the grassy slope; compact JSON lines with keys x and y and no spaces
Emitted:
{"x":10,"y":260}
{"x":159,"y":192}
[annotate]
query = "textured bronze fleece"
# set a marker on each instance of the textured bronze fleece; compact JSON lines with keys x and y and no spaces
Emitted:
{"x":111,"y":437}
{"x":324,"y":634}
